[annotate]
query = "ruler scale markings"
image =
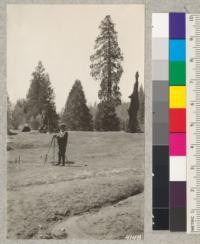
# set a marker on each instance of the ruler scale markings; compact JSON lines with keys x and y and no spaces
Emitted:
{"x":177,"y":133}
{"x":193,"y":132}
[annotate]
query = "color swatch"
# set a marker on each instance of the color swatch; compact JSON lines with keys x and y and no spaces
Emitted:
{"x":169,"y":121}
{"x":177,"y":141}
{"x":176,"y":121}
{"x":160,"y":78}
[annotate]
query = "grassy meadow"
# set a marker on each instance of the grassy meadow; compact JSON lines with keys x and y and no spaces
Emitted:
{"x":99,"y":195}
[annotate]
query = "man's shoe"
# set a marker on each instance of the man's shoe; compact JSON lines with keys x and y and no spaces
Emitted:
{"x":57,"y":164}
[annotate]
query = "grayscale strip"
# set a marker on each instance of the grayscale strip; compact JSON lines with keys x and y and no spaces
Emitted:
{"x":160,"y":144}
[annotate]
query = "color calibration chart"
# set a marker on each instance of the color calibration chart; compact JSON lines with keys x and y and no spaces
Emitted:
{"x":176,"y":121}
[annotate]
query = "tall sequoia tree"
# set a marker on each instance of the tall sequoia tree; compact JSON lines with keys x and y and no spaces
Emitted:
{"x":133,"y":125}
{"x":76,"y":114}
{"x":40,"y":99}
{"x":106,"y":68}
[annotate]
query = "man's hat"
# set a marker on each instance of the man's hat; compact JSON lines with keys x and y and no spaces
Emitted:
{"x":62,"y":125}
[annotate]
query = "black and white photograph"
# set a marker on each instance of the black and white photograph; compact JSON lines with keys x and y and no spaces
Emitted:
{"x":75,"y":121}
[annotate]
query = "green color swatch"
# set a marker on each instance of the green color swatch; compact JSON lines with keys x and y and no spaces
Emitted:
{"x":177,"y":73}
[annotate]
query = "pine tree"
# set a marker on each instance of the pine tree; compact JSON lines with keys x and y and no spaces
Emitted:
{"x":133,"y":125}
{"x":76,"y":114}
{"x":40,"y":98}
{"x":106,"y":68}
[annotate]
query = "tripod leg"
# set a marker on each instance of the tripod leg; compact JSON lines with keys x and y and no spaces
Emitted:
{"x":46,"y":156}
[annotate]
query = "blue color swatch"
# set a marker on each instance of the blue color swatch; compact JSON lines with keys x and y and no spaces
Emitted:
{"x":177,"y":50}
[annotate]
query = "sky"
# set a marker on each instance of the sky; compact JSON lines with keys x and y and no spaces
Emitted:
{"x":63,"y":38}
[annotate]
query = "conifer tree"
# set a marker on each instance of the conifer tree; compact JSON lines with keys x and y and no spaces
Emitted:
{"x":40,"y":98}
{"x":133,"y":125}
{"x":107,"y":69}
{"x":76,"y":114}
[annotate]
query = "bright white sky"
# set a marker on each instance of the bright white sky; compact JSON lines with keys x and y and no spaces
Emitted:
{"x":63,"y":37}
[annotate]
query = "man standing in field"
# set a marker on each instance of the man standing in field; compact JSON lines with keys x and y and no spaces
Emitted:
{"x":62,"y":138}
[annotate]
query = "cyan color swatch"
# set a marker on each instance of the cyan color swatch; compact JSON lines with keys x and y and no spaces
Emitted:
{"x":177,"y":50}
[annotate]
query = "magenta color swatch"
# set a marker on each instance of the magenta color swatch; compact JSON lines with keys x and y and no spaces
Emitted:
{"x":177,"y":144}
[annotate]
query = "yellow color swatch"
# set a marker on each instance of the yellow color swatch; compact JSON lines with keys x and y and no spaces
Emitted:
{"x":177,"y":96}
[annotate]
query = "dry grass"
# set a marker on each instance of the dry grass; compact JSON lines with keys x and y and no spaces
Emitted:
{"x":111,"y":222}
{"x":108,"y":168}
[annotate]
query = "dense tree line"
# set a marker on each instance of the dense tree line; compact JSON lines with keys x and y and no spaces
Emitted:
{"x":122,"y":111}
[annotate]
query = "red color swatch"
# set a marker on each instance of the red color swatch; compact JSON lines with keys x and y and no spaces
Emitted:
{"x":177,"y":118}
